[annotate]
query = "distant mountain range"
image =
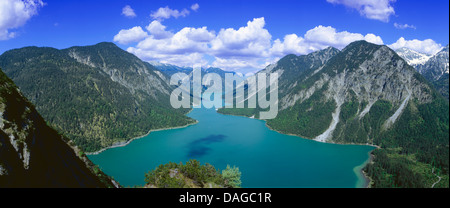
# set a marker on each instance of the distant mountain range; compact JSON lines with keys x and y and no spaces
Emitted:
{"x":364,"y":94}
{"x":413,"y":57}
{"x":435,"y":68}
{"x":170,"y":70}
{"x":97,"y":95}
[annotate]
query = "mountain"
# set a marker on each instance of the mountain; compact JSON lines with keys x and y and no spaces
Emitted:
{"x":291,"y":70}
{"x":33,"y":154}
{"x":442,"y":85}
{"x":97,"y":95}
{"x":413,"y":57}
{"x":434,"y":68}
{"x":366,"y":94}
{"x":170,"y":69}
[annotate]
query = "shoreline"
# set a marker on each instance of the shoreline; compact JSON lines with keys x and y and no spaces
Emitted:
{"x":328,"y":142}
{"x":125,"y":143}
{"x":302,"y":137}
{"x":367,"y":179}
{"x":358,"y":169}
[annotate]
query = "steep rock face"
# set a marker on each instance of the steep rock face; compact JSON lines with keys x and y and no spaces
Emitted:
{"x":293,"y":69}
{"x":96,"y":95}
{"x":33,"y":154}
{"x":123,"y":68}
{"x":361,"y":74}
{"x":322,"y":93}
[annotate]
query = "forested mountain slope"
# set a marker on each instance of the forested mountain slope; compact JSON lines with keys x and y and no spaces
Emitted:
{"x":96,"y":95}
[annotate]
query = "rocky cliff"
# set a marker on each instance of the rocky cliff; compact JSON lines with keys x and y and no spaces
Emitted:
{"x":33,"y":154}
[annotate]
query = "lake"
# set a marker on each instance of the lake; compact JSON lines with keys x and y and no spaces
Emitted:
{"x":265,"y":157}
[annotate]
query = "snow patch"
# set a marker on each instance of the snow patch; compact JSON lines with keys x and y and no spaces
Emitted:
{"x":412,"y":57}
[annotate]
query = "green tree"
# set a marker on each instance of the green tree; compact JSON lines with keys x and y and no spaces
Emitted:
{"x":232,"y":176}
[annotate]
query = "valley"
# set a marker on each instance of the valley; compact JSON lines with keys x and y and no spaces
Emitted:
{"x":338,"y":105}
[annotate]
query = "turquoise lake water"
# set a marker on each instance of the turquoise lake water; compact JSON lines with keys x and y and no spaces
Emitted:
{"x":266,"y":158}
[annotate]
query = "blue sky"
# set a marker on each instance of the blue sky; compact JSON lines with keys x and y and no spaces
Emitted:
{"x":231,"y":34}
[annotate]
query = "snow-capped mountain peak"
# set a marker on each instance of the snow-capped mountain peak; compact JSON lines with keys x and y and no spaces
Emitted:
{"x":412,"y":57}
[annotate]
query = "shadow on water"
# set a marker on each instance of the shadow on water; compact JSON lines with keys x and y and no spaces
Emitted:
{"x":198,"y":147}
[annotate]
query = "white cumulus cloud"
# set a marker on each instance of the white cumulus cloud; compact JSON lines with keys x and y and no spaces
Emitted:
{"x":404,"y":26}
{"x":244,"y":49}
{"x":292,"y":44}
{"x":187,"y":40}
{"x":249,"y":47}
{"x":177,"y":59}
{"x":158,"y":31}
{"x":184,"y":48}
{"x":127,"y":11}
{"x":427,"y":46}
{"x":251,"y":40}
{"x":134,"y":34}
{"x":195,"y":7}
{"x":166,"y":13}
{"x":15,"y":13}
{"x":319,"y":38}
{"x":371,"y":9}
{"x":230,"y":47}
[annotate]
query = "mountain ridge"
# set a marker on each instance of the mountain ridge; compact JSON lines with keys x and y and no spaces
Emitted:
{"x":413,"y":57}
{"x":435,"y":68}
{"x":97,"y":95}
{"x":367,"y":94}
